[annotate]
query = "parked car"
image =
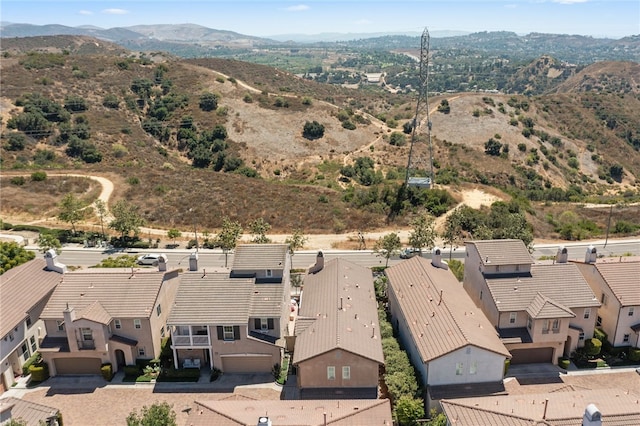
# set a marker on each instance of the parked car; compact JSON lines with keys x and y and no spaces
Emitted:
{"x":409,"y":253}
{"x":149,"y":259}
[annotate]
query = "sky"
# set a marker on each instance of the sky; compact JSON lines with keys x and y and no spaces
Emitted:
{"x":263,"y":18}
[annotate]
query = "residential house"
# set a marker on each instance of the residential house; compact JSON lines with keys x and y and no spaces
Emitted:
{"x":24,"y":291}
{"x":235,"y":320}
{"x":29,"y":413}
{"x":370,"y":412}
{"x":338,"y":350}
{"x":541,"y":311}
{"x":616,"y":283}
{"x":448,"y":339}
{"x":98,"y":316}
{"x":563,"y":407}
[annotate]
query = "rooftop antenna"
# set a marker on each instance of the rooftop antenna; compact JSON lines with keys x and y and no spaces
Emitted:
{"x":422,"y":111}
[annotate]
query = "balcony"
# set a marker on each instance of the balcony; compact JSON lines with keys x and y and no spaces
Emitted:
{"x":86,"y":345}
{"x":191,"y":340}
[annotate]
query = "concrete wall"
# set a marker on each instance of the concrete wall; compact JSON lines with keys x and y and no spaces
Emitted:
{"x":489,"y":367}
{"x":312,"y":373}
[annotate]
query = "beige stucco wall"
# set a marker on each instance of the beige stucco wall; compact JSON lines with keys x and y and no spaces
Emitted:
{"x":245,"y":345}
{"x":489,"y":367}
{"x":312,"y":373}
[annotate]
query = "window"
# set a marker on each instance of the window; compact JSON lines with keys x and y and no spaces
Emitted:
{"x":87,"y":334}
{"x":546,"y":325}
{"x":346,"y":372}
{"x":28,"y":321}
{"x":625,"y":338}
{"x":228,"y":332}
{"x":162,"y":332}
{"x":581,"y":336}
{"x":60,"y":325}
{"x":269,"y":273}
{"x":512,"y":317}
{"x":25,"y":351}
{"x":158,"y":310}
{"x":556,"y":326}
{"x":473,"y":368}
{"x":599,"y":321}
{"x":34,"y":345}
{"x":603,"y":299}
{"x":141,"y":352}
{"x":459,"y":367}
{"x":631,"y":311}
{"x":331,"y":373}
{"x":264,"y":324}
{"x":137,"y":323}
{"x":587,"y":313}
{"x":529,"y":322}
{"x":117,"y":324}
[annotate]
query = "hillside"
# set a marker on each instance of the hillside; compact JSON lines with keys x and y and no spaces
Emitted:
{"x":140,"y":121}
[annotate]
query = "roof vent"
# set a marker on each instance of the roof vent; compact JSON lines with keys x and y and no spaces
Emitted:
{"x":562,"y":255}
{"x":264,"y":421}
{"x":592,"y":416}
{"x":52,"y":265}
{"x":591,"y":255}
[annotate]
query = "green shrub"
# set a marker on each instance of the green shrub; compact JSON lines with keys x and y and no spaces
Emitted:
{"x":180,"y":375}
{"x":107,"y":371}
{"x":34,"y":360}
{"x":600,"y":335}
{"x":131,"y":370}
{"x":38,"y":176}
{"x":634,"y":354}
{"x":592,"y":346}
{"x":215,"y":373}
{"x":39,"y":373}
{"x":18,"y":180}
{"x":507,"y":363}
{"x":564,"y":363}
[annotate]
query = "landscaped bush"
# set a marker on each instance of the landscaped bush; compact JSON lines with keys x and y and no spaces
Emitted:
{"x":507,"y":364}
{"x":34,"y":360}
{"x":592,"y":346}
{"x":107,"y":371}
{"x":132,"y":370}
{"x":564,"y":363}
{"x":600,"y":335}
{"x":215,"y":373}
{"x":39,"y":373}
{"x":180,"y":375}
{"x":634,"y":355}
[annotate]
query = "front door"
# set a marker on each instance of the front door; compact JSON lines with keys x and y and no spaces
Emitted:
{"x":120,"y":358}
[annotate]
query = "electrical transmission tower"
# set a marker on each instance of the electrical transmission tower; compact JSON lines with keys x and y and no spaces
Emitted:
{"x":422,"y":113}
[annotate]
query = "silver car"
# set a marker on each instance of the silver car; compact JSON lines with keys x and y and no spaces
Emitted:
{"x":149,"y":259}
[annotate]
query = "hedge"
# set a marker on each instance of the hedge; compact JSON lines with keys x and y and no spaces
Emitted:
{"x":564,"y":363}
{"x":634,"y":354}
{"x":132,"y":370}
{"x":600,"y":335}
{"x":181,"y":375}
{"x":592,"y":346}
{"x":39,"y":373}
{"x":35,"y":358}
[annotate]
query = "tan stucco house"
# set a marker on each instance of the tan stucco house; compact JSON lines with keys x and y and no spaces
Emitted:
{"x":98,"y":316}
{"x":234,"y":320}
{"x":541,"y":311}
{"x":448,"y":339}
{"x":338,"y":350}
{"x":616,"y":283}
{"x":24,"y":291}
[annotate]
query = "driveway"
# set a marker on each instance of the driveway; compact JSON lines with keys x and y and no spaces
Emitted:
{"x":87,"y":400}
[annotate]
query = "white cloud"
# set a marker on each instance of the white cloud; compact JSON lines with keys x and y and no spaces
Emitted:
{"x":85,"y":12}
{"x":297,"y":8}
{"x":115,"y":11}
{"x":569,"y":1}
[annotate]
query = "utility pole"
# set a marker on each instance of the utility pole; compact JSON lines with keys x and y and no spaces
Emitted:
{"x":606,"y":240}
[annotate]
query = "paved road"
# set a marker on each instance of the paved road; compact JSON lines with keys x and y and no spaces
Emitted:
{"x":74,"y":256}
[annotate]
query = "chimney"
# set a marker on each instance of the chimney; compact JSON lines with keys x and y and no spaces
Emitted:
{"x":162,"y":262}
{"x":591,"y":255}
{"x":193,"y":261}
{"x":69,"y":315}
{"x":436,"y":259}
{"x":592,"y":416}
{"x":317,"y":267}
{"x":562,"y":255}
{"x":52,"y":265}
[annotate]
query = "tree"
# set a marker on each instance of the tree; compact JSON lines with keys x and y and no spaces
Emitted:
{"x":444,"y":107}
{"x":209,"y":101}
{"x":397,"y":139}
{"x":259,"y":229}
{"x":409,"y":410}
{"x":313,"y":130}
{"x":48,"y":241}
{"x":126,"y":219}
{"x":423,"y":233}
{"x":173,"y":233}
{"x":296,"y":241}
{"x":101,"y":210}
{"x":492,"y":147}
{"x":387,"y":246}
{"x":71,"y":210}
{"x":158,"y":414}
{"x":436,"y":419}
{"x":453,"y":230}
{"x":12,"y":255}
{"x":228,"y":237}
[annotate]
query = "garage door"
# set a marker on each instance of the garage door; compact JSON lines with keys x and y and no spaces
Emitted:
{"x":531,"y":356}
{"x":247,"y":364}
{"x":69,"y":366}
